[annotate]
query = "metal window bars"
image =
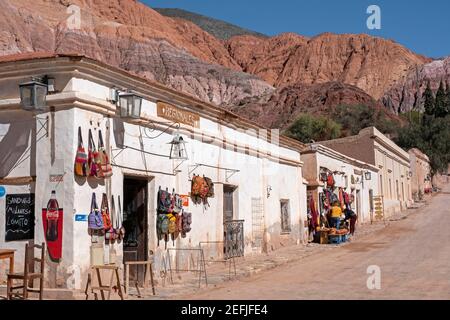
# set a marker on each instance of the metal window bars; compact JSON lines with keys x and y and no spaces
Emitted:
{"x":233,"y":239}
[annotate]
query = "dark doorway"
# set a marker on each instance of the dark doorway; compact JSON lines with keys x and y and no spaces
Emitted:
{"x":135,"y":221}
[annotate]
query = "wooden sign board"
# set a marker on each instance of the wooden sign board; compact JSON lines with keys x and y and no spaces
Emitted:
{"x":175,"y":114}
{"x":19,"y":217}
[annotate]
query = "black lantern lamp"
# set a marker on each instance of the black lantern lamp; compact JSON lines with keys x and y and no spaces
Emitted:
{"x":368,"y":175}
{"x":33,"y":95}
{"x":130,"y":105}
{"x":178,"y":148}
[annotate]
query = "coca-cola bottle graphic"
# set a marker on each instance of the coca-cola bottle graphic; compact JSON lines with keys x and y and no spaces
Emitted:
{"x":52,"y":218}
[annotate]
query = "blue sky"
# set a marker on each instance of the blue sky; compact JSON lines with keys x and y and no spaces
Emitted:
{"x":422,"y":26}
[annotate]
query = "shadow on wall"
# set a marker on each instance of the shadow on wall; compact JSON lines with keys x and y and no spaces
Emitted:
{"x":14,"y":143}
{"x":119,"y":132}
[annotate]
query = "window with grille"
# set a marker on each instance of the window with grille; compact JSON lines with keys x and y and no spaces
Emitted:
{"x":285,"y":216}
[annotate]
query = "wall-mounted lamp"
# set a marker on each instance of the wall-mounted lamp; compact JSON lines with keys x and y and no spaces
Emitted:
{"x":178,"y":148}
{"x":368,"y":175}
{"x":269,"y":189}
{"x":33,"y":95}
{"x":410,"y":174}
{"x":130,"y":105}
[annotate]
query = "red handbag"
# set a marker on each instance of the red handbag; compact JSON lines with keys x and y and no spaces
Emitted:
{"x":81,"y":158}
{"x":93,"y":167}
{"x":330,"y":180}
{"x":107,"y":224}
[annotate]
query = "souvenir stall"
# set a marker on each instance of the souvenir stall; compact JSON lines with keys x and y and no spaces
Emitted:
{"x":332,"y":204}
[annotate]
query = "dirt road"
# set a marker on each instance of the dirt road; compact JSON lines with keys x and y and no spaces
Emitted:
{"x":413,"y":256}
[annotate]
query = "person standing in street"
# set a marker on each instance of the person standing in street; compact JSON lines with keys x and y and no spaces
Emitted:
{"x":353,"y":217}
{"x":336,"y":213}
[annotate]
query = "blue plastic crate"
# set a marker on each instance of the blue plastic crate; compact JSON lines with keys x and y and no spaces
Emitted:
{"x":344,"y":238}
{"x":334,"y":239}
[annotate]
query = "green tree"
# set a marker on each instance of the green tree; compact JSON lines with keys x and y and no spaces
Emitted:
{"x":318,"y":128}
{"x":433,"y":139}
{"x":428,"y":100}
{"x":354,"y":118}
{"x":447,"y":97}
{"x":440,"y":104}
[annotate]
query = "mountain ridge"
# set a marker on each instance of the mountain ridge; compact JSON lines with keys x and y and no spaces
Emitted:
{"x":229,"y":73}
{"x":218,"y":28}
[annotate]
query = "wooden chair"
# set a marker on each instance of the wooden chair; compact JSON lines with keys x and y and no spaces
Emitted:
{"x":28,"y":276}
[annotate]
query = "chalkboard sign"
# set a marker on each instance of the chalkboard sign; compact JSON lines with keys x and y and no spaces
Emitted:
{"x":19,"y":217}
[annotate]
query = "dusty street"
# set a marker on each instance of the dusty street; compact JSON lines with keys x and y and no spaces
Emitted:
{"x":413,"y":255}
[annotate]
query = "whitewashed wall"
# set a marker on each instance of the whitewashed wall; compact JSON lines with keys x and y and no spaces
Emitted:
{"x":56,"y":153}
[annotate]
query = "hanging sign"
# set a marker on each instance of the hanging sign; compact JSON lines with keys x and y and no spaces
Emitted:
{"x":2,"y":191}
{"x":19,"y":217}
{"x":175,"y":114}
{"x":81,"y":217}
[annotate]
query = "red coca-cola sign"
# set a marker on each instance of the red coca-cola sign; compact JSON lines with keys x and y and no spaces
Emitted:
{"x":52,"y":218}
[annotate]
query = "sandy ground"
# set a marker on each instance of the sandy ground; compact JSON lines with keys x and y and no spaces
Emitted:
{"x":413,"y":255}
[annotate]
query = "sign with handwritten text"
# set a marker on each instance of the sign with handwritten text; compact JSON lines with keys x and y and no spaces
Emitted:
{"x":19,"y":217}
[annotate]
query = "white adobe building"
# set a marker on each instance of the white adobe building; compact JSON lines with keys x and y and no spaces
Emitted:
{"x":394,"y":176}
{"x":257,"y":174}
{"x":357,"y":178}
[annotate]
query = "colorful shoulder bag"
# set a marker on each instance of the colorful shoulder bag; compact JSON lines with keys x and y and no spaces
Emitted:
{"x":95,"y":221}
{"x":105,"y":214}
{"x":81,"y":158}
{"x":93,"y":168}
{"x":105,"y":165}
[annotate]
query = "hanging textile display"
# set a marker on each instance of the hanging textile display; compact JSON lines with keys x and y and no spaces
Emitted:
{"x":52,"y":219}
{"x":81,"y":158}
{"x":330,"y":180}
{"x":169,"y":219}
{"x":93,"y":158}
{"x":105,"y":166}
{"x":95,"y":221}
{"x":314,"y":216}
{"x":121,"y":228}
{"x":341,"y":199}
{"x":202,"y":188}
{"x":346,"y":200}
{"x":107,"y":224}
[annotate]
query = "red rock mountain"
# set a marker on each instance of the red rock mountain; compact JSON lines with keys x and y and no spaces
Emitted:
{"x":370,"y":63}
{"x":130,"y":35}
{"x":407,"y":93}
{"x":178,"y":53}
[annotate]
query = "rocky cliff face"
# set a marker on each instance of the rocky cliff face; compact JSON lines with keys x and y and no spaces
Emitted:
{"x":370,"y":63}
{"x":406,"y":95}
{"x":178,"y":53}
{"x":281,"y":108}
{"x":134,"y":37}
